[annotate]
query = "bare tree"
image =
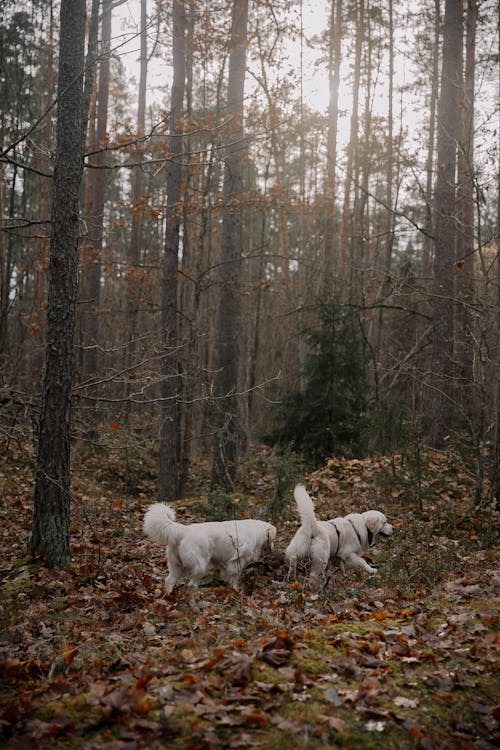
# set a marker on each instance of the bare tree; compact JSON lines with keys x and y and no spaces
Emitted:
{"x":445,"y":224}
{"x":169,"y":431}
{"x":431,"y":146}
{"x":225,"y":451}
{"x":334,"y":54}
{"x":352,"y":148}
{"x":466,"y":206}
{"x":137,"y":198}
{"x":92,"y":275}
{"x":495,"y":478}
{"x":50,"y":536}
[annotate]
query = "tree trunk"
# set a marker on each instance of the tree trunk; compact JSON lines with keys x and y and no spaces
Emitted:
{"x":429,"y":167}
{"x":361,"y":219}
{"x":90,"y":66}
{"x":90,"y":312}
{"x":134,"y":283}
{"x":353,"y":144}
{"x":495,"y":479}
{"x":225,"y":450}
{"x":282,"y":250}
{"x":333,"y":116}
{"x":466,"y":203}
{"x":389,"y":198}
{"x":50,"y":537}
{"x":445,"y":226}
{"x":5,"y":273}
{"x":170,"y":384}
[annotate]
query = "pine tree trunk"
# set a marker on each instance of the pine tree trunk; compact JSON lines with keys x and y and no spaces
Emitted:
{"x":389,"y":199}
{"x":466,"y":203}
{"x":90,"y":312}
{"x":134,"y":284}
{"x":429,"y":167}
{"x":225,"y":450}
{"x":5,"y":275}
{"x":445,"y":226}
{"x":50,"y":536}
{"x":333,"y":115}
{"x":282,"y":251}
{"x":495,"y":478}
{"x":346,"y":222}
{"x":90,"y":66}
{"x":170,"y":385}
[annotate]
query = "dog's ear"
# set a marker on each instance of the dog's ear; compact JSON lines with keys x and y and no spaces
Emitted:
{"x":375,"y":521}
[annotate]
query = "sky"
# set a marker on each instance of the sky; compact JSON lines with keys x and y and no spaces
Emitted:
{"x":315,"y":18}
{"x":126,"y":24}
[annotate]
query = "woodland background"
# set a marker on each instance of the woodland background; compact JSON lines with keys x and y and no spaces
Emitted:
{"x":363,"y":282}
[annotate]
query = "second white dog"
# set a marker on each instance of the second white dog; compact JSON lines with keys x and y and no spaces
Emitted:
{"x":345,"y":538}
{"x":192,"y":550}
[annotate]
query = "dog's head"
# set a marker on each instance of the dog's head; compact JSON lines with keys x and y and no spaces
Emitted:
{"x":377,"y":524}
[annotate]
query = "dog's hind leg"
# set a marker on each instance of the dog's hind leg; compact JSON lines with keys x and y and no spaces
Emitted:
{"x":320,"y":553}
{"x":196,"y":574}
{"x":292,"y":567}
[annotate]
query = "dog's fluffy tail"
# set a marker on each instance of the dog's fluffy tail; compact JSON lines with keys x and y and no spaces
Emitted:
{"x":305,"y":508}
{"x":160,"y":525}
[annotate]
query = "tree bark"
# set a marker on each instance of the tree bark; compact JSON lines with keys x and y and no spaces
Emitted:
{"x":90,"y":67}
{"x":389,"y":198}
{"x":333,"y":115}
{"x":466,"y":203}
{"x":495,"y":478}
{"x":90,"y":312}
{"x":445,"y":226}
{"x":429,"y":167}
{"x":170,"y":384}
{"x":226,"y":440}
{"x":134,"y":285}
{"x":353,"y":143}
{"x":50,"y":534}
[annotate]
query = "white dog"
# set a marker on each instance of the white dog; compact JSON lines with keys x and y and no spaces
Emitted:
{"x":344,"y":538}
{"x":227,"y":546}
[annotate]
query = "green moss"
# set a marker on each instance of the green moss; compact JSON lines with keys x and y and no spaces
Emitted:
{"x":75,"y":708}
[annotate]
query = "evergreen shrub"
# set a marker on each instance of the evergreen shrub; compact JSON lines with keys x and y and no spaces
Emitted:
{"x":328,"y":415}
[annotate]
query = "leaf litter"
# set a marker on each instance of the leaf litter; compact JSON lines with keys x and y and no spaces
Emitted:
{"x":97,"y":656}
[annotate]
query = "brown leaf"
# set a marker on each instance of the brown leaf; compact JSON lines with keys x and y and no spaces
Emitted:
{"x":237,"y":667}
{"x":333,"y":722}
{"x":278,"y":651}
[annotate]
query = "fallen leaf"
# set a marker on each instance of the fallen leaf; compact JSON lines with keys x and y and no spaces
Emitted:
{"x":403,"y":702}
{"x":333,"y":697}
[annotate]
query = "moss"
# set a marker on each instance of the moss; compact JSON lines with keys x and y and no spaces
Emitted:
{"x":75,"y":708}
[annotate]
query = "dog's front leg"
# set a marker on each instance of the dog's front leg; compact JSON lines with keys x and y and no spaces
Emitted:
{"x":357,"y":562}
{"x":232,"y":573}
{"x":170,"y":582}
{"x":175,"y":574}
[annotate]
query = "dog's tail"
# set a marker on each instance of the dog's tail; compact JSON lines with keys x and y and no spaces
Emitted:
{"x":160,"y":525}
{"x":305,"y":508}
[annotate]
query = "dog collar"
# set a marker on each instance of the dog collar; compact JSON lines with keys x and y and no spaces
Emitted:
{"x":357,"y":532}
{"x":338,"y":535}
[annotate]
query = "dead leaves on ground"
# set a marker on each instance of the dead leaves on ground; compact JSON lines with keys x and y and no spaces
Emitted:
{"x":97,"y":657}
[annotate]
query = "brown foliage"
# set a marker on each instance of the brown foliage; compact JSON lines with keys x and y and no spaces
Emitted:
{"x":98,"y":657}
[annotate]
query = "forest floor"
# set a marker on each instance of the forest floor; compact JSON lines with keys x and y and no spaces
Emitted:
{"x":97,"y":657}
